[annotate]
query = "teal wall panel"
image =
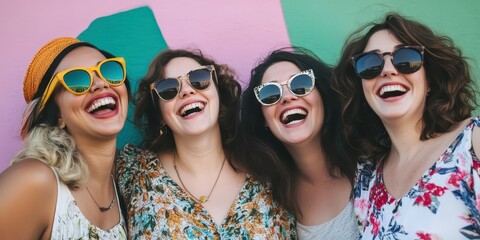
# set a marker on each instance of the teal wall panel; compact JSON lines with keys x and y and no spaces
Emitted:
{"x":134,"y":35}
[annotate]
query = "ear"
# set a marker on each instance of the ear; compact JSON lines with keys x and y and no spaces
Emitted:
{"x":61,"y":123}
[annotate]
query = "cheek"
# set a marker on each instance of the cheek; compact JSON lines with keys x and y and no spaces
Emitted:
{"x":67,"y":101}
{"x":268,"y":114}
{"x":122,"y":92}
{"x":164,"y":108}
{"x":420,"y":78}
{"x":214,"y":93}
{"x":367,"y":87}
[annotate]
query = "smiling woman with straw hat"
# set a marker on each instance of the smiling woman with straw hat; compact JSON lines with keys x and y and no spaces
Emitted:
{"x":60,"y":185}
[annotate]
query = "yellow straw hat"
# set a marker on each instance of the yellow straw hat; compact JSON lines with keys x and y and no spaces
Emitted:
{"x":44,"y":63}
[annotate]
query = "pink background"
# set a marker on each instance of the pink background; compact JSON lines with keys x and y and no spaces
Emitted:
{"x":233,"y":32}
{"x":237,"y":33}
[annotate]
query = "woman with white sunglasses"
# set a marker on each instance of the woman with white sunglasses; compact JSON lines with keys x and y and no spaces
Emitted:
{"x":407,"y":102}
{"x":186,"y":181}
{"x":60,"y":185}
{"x":290,"y":109}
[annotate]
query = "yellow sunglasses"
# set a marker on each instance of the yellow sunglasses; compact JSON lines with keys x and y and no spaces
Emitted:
{"x":79,"y":80}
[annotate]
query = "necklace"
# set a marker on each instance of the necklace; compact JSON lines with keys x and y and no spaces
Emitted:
{"x":102,"y":209}
{"x":202,"y":198}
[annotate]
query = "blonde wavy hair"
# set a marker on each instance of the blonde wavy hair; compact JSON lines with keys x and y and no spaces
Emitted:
{"x":54,"y":147}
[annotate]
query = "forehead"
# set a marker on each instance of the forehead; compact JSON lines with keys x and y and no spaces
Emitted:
{"x":280,"y":72}
{"x":382,"y":40}
{"x":180,"y":66}
{"x":80,"y":57}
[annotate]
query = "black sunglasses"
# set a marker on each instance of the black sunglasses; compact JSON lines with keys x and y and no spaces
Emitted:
{"x":300,"y":85}
{"x":406,"y":59}
{"x":199,"y":79}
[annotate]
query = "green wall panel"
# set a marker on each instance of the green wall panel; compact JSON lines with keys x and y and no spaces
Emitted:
{"x":323,"y":26}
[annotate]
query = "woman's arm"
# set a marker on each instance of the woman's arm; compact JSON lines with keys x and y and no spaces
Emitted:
{"x":28,"y":192}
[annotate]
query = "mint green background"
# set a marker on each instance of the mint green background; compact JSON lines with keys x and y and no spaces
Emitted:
{"x":323,"y":26}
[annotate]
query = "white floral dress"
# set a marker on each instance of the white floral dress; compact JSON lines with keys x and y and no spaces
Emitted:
{"x":443,"y":204}
{"x":70,"y":223}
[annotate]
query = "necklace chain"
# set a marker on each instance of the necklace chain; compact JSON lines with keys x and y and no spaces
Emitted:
{"x":202,"y":198}
{"x":102,"y":209}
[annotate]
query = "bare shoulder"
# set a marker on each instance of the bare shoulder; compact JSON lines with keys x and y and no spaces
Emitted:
{"x":28,"y":196}
{"x":28,"y":174}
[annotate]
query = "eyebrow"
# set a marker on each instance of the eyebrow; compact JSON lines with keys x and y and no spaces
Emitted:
{"x":394,"y":48}
{"x":290,"y":77}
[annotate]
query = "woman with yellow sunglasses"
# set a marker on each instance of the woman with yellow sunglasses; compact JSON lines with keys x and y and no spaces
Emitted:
{"x":60,"y":185}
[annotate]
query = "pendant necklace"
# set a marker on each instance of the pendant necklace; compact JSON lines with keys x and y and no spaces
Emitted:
{"x":102,"y":209}
{"x":202,"y":198}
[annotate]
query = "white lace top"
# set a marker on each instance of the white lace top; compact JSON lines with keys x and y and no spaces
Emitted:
{"x":343,"y":226}
{"x":70,"y":223}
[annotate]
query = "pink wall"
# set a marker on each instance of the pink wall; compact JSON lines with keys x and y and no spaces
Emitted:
{"x":233,"y":32}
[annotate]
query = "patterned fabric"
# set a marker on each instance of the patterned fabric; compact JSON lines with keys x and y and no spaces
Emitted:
{"x":443,"y":204}
{"x":70,"y":223}
{"x":159,"y":209}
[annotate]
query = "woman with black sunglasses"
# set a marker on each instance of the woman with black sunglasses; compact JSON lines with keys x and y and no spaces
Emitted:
{"x":60,"y":185}
{"x":291,"y":112}
{"x":407,"y":101}
{"x":186,"y":182}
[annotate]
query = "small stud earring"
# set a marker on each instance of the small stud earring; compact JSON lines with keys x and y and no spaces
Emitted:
{"x":163,"y":128}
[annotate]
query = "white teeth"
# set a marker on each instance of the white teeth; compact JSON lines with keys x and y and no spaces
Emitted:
{"x":391,"y":88}
{"x":192,"y":106}
{"x":100,"y":102}
{"x":291,"y":112}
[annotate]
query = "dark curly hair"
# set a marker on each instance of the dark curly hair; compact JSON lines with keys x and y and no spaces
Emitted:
{"x":276,"y":164}
{"x":147,"y":116}
{"x":452,"y":93}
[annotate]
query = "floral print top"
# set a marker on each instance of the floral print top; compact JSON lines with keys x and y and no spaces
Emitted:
{"x":159,"y":209}
{"x":70,"y":223}
{"x":443,"y":204}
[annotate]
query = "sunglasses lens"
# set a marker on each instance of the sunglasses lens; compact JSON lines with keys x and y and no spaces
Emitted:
{"x":200,"y":79}
{"x":113,"y":72}
{"x":269,"y":94}
{"x":77,"y":80}
{"x":301,"y":85}
{"x":368,"y":66}
{"x":407,"y":60}
{"x":167,"y":88}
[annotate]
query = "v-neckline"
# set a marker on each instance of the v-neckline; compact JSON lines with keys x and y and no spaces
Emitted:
{"x":426,"y":175}
{"x":178,"y":190}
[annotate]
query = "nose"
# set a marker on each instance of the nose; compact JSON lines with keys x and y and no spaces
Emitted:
{"x":185,"y":88}
{"x":97,"y":83}
{"x":287,"y":96}
{"x":388,"y":68}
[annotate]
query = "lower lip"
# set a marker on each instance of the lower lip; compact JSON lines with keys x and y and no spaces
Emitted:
{"x":105,"y":115}
{"x":393,"y":99}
